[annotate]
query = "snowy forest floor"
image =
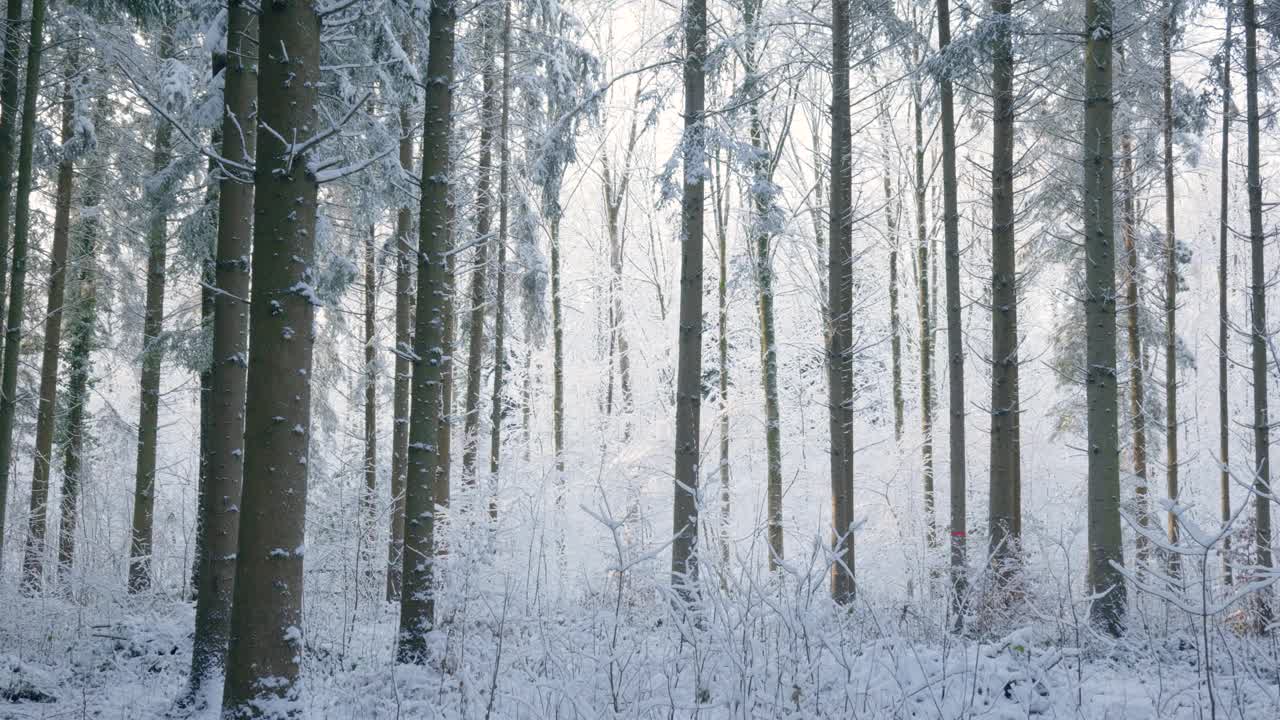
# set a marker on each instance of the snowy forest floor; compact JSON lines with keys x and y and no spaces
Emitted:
{"x":757,"y":652}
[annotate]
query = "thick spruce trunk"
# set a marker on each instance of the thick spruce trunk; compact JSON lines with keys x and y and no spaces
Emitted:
{"x":266,"y":643}
{"x":1004,"y":509}
{"x":227,"y":375}
{"x":1106,"y":553}
{"x":417,"y":604}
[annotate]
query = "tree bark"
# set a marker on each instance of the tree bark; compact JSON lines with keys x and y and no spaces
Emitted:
{"x":266,"y":643}
{"x":8,"y":112}
{"x":498,"y":406}
{"x":17,"y":280}
{"x":1170,"y":283}
{"x":417,"y":605}
{"x":1106,"y":553}
{"x":926,"y":320}
{"x":227,"y":381}
{"x":34,"y":556}
{"x":557,"y":382}
{"x":10,"y":70}
{"x":152,"y":358}
{"x":839,"y":309}
{"x":1224,"y":234}
{"x":895,"y":323}
{"x":1258,"y":318}
{"x":684,"y":561}
{"x":444,"y":434}
{"x":1004,"y":509}
{"x":761,"y":205}
{"x":480,"y":265}
{"x":369,"y":503}
{"x":403,"y":368}
{"x":1137,"y":379}
{"x":955,"y":337}
{"x":720,"y":204}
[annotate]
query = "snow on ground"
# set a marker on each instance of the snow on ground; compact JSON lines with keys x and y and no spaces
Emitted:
{"x":780,"y":652}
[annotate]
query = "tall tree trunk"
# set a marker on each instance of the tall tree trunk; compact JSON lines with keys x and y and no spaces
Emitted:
{"x":761,"y":205}
{"x":498,"y":406}
{"x":1170,"y":283}
{"x":80,"y":331}
{"x":417,"y":604}
{"x":18,"y":276}
{"x":1137,"y":380}
{"x":684,"y":561}
{"x":227,"y":382}
{"x":369,"y":503}
{"x":895,"y":324}
{"x":557,"y":382}
{"x":617,"y":309}
{"x":1258,"y":318}
{"x":926,"y":320}
{"x":144,"y":489}
{"x":720,"y":203}
{"x":1106,"y":553}
{"x":404,"y":350}
{"x":444,"y":434}
{"x":480,"y":268}
{"x":9,"y":71}
{"x":839,"y":309}
{"x":1224,"y":234}
{"x":33,"y":561}
{"x":266,"y":619}
{"x":1004,"y":509}
{"x":955,"y":337}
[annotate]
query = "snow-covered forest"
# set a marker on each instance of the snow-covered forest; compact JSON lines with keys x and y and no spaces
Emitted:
{"x":639,"y":359}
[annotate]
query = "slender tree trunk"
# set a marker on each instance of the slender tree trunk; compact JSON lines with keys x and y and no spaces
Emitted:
{"x":617,"y":310}
{"x":926,"y":318}
{"x":417,"y":604}
{"x":955,"y":337}
{"x":152,"y":357}
{"x":34,"y":557}
{"x":839,"y":308}
{"x":498,"y":405}
{"x":721,"y":203}
{"x":557,"y":382}
{"x":1137,"y":380}
{"x":266,"y":619}
{"x":80,"y":330}
{"x":444,"y":434}
{"x":1258,"y":317}
{"x":404,"y":350}
{"x":761,"y":205}
{"x":1004,"y":509}
{"x":1224,"y":234}
{"x":9,"y":71}
{"x":1106,"y":553}
{"x":369,"y":503}
{"x":227,"y":382}
{"x":684,"y":559}
{"x":480,"y":269}
{"x":17,"y":279}
{"x":1170,"y":284}
{"x":895,"y":324}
